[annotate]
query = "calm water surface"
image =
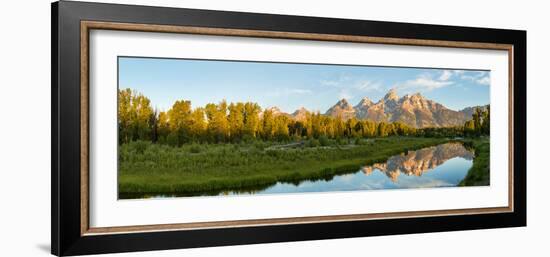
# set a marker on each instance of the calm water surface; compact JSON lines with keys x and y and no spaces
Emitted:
{"x":444,"y":165}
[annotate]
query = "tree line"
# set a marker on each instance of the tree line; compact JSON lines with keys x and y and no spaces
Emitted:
{"x":237,"y":122}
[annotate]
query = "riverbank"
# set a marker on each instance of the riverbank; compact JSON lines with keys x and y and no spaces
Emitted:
{"x":479,"y":174}
{"x":146,"y":168}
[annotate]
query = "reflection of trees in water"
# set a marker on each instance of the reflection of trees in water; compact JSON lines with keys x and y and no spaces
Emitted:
{"x":419,"y":161}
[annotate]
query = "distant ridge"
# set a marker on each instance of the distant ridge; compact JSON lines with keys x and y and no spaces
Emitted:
{"x":414,"y":110}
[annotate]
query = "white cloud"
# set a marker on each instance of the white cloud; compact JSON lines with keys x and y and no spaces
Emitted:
{"x":369,"y":86}
{"x":340,"y":81}
{"x":289,"y":92}
{"x":344,"y":94}
{"x":330,"y":83}
{"x":445,"y":75}
{"x":484,"y":81}
{"x":469,"y":77}
{"x":422,"y":83}
{"x":297,"y":91}
{"x":479,"y":77}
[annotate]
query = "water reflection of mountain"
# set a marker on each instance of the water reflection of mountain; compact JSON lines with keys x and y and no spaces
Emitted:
{"x":419,"y":161}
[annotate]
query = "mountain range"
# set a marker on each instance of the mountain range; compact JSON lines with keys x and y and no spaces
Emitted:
{"x":414,"y":110}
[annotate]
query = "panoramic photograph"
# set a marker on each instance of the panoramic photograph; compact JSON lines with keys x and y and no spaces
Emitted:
{"x":190,"y":128}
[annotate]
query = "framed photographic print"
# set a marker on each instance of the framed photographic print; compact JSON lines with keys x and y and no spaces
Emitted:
{"x":177,"y":128}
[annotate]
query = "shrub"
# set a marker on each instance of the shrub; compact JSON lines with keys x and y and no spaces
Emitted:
{"x":313,"y":143}
{"x":247,"y":139}
{"x":172,"y":139}
{"x":195,"y":148}
{"x":259,"y":145}
{"x":273,"y":153}
{"x":161,"y":140}
{"x":139,"y":146}
{"x":324,"y":141}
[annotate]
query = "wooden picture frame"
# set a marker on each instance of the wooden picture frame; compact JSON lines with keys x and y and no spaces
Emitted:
{"x":71,"y":25}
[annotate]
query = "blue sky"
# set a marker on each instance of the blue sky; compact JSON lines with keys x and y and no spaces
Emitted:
{"x":291,"y":86}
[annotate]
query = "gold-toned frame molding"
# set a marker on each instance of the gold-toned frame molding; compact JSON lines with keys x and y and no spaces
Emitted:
{"x":86,"y":26}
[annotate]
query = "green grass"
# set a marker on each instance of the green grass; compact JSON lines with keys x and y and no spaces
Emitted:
{"x":201,"y":169}
{"x":479,"y":174}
